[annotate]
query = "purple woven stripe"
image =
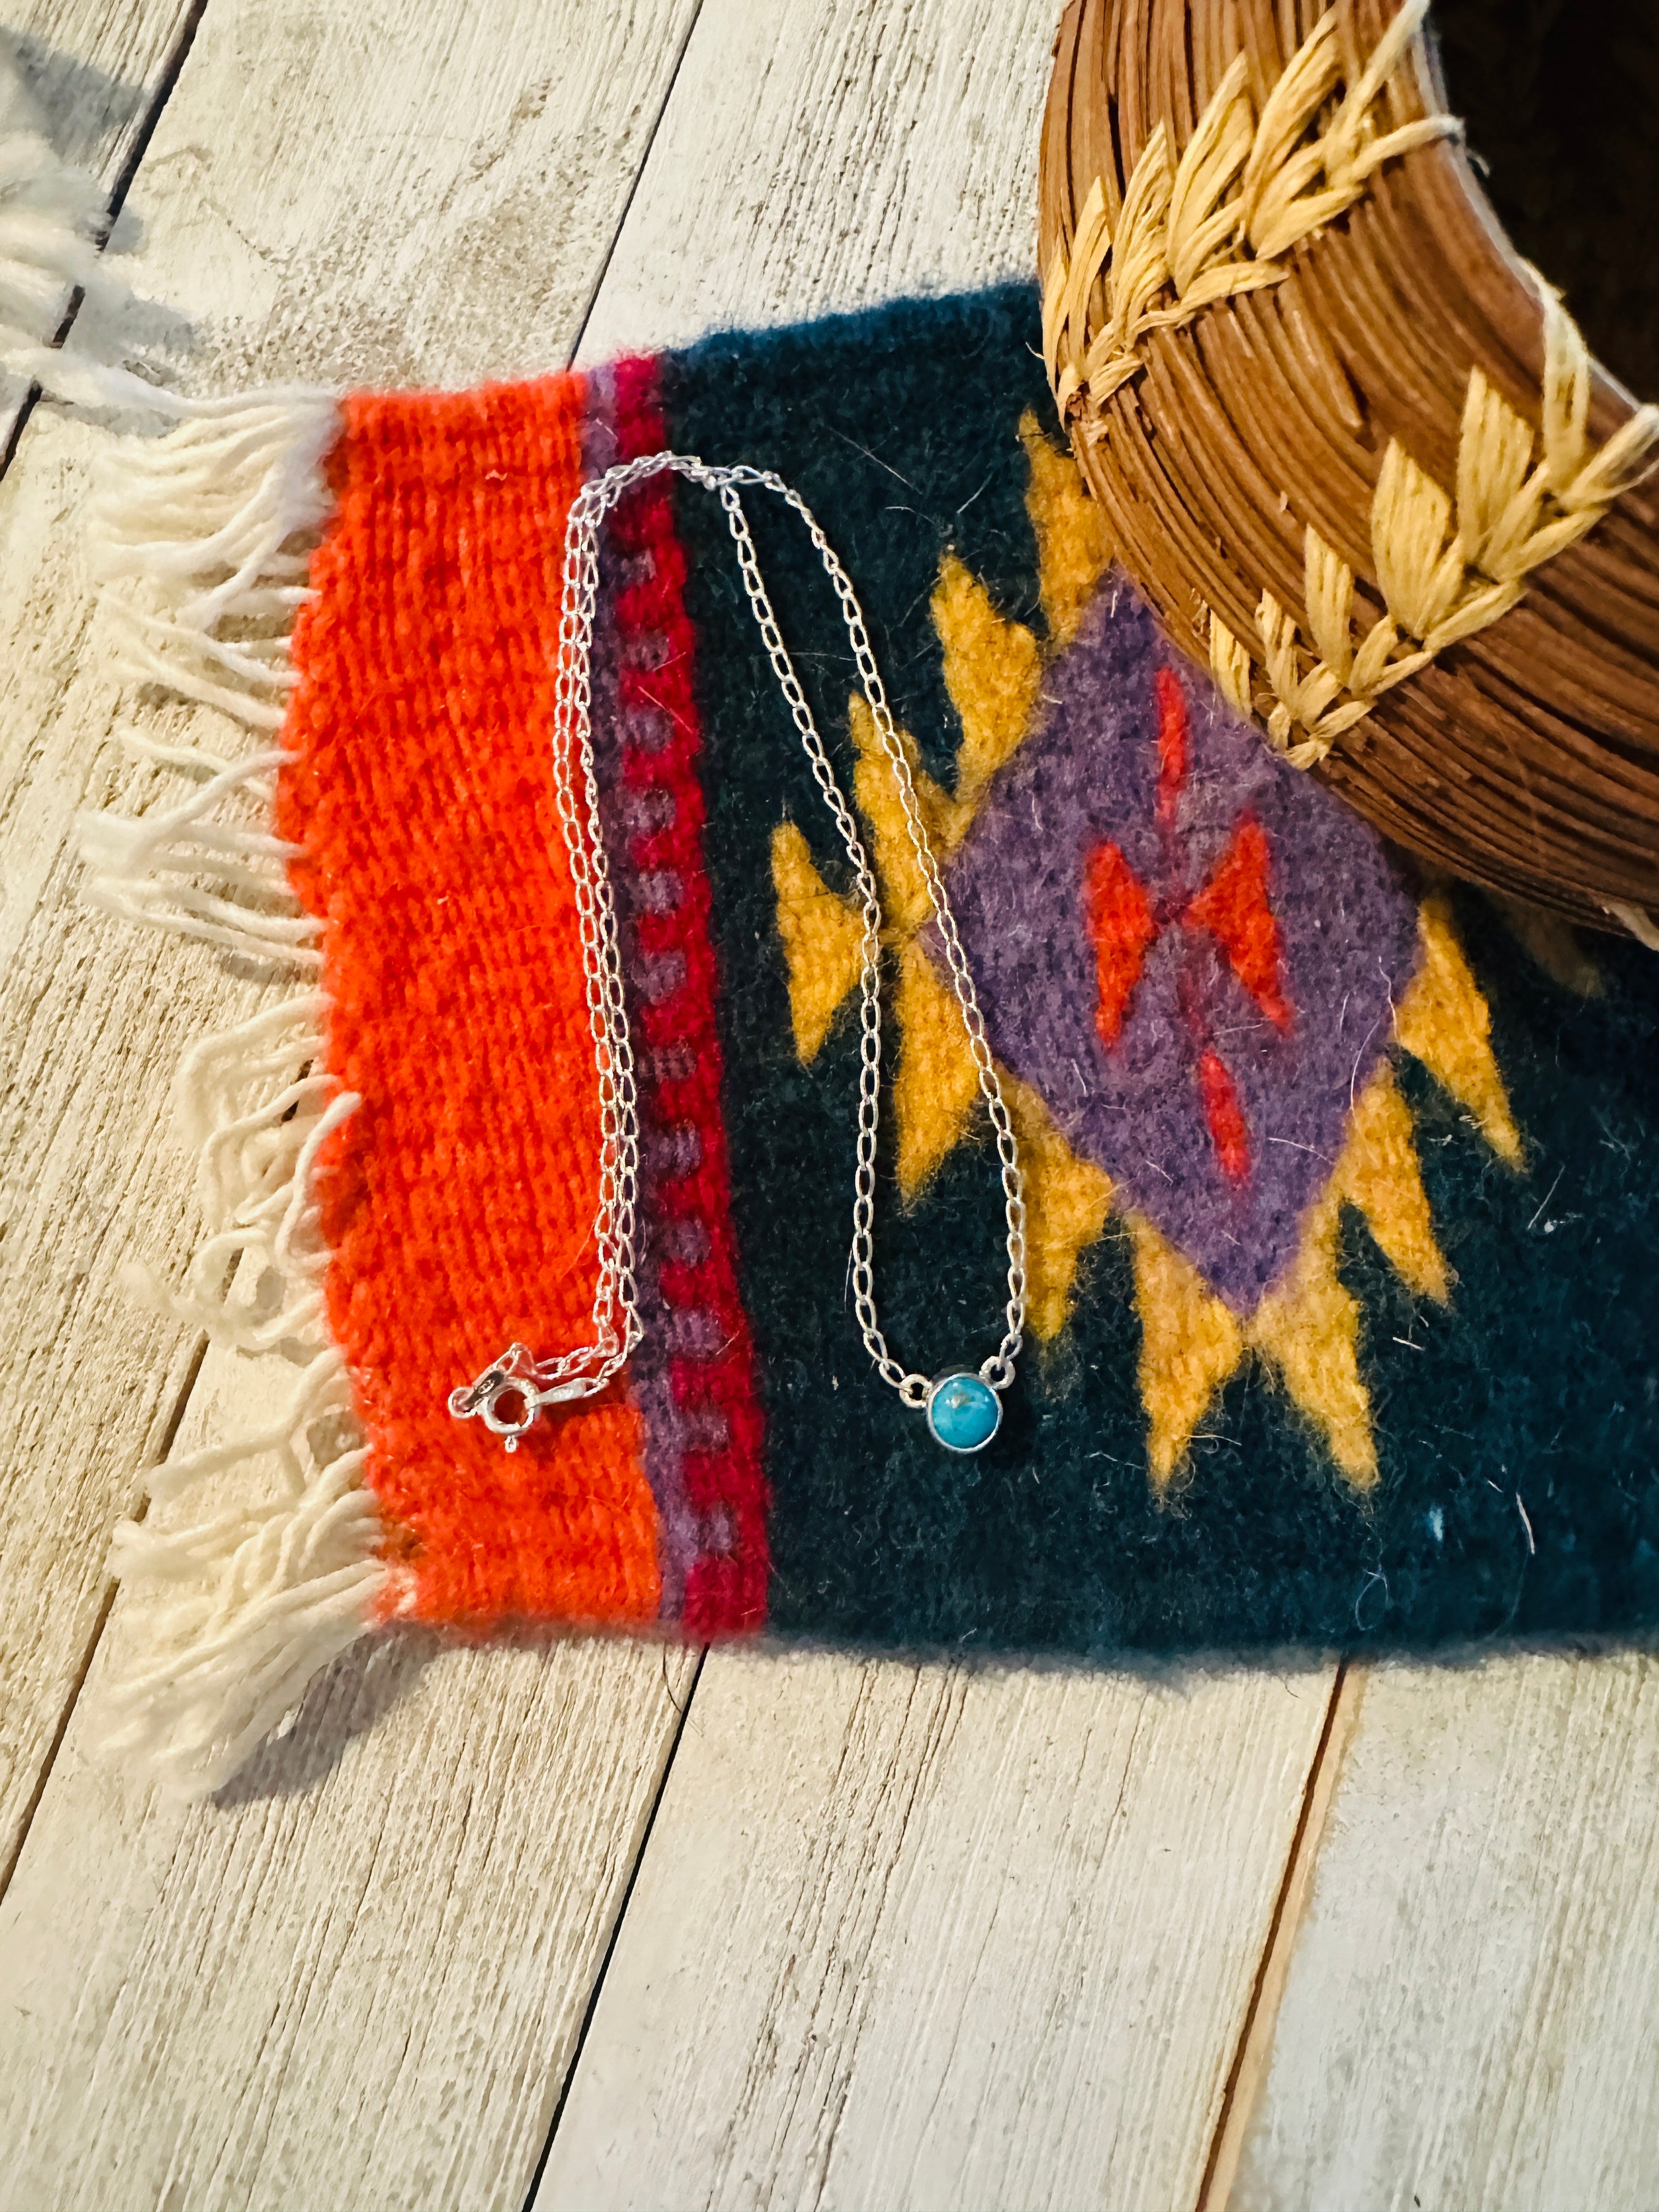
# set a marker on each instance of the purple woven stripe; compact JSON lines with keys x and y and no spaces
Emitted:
{"x":670,"y":1431}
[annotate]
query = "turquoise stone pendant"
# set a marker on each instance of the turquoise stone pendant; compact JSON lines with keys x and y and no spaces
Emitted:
{"x":963,"y":1412}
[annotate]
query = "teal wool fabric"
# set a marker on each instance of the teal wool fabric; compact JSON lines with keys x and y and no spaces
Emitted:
{"x":1511,"y":1426}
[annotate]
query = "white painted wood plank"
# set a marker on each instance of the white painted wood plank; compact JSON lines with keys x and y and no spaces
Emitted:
{"x":398,"y":190}
{"x":228,"y":2048}
{"x":918,"y":1937}
{"x":350,"y":1987}
{"x":401,"y":192}
{"x":354,"y":1979}
{"x":1466,"y":2021}
{"x":91,"y":72}
{"x":827,"y":154}
{"x":91,"y":69}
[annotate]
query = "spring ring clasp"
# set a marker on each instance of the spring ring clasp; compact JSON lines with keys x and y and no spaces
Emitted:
{"x":513,"y":1377}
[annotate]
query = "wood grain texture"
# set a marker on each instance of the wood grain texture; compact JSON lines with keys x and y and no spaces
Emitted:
{"x":355,"y":1978}
{"x":398,"y":193}
{"x":288,"y":232}
{"x":892,"y":1941}
{"x":347,"y":1985}
{"x":92,"y":1019}
{"x":1466,"y":2018}
{"x":91,"y":69}
{"x":925,"y":1937}
{"x":829,"y":154}
{"x":92,"y":74}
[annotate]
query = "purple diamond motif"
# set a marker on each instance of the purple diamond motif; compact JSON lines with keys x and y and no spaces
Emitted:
{"x":1217,"y":1103}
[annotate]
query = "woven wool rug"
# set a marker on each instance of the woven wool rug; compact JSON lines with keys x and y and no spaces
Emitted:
{"x":1342,"y":1182}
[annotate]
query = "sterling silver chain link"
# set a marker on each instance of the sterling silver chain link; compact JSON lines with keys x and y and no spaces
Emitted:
{"x":509,"y":1394}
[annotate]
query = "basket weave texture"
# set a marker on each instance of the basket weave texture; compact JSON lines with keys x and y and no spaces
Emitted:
{"x":1351,"y":445}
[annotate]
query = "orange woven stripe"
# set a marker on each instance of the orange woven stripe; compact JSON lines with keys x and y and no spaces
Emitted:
{"x":459,"y":1205}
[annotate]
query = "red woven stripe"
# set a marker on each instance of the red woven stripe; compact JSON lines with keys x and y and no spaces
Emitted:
{"x":726,"y":1585}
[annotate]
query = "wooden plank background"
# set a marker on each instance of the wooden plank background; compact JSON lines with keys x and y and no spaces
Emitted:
{"x":601,"y":1926}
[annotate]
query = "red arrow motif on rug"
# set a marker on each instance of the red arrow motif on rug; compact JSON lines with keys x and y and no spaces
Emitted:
{"x":1124,"y":920}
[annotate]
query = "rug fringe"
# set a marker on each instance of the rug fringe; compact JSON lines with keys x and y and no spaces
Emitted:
{"x":200,"y":544}
{"x":257,"y":1108}
{"x":201,"y":548}
{"x":244,"y":1606}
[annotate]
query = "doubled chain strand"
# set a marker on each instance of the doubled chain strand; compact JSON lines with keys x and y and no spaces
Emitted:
{"x":509,"y":1394}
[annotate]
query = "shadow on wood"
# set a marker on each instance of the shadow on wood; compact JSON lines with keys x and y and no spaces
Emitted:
{"x":344,"y":1702}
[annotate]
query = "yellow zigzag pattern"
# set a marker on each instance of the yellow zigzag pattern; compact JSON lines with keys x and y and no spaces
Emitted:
{"x":1306,"y":1328}
{"x":994,"y":674}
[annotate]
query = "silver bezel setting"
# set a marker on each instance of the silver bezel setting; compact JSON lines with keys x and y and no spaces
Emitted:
{"x":949,"y":1375}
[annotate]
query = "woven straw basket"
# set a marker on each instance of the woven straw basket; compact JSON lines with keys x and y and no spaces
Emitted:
{"x":1352,"y":445}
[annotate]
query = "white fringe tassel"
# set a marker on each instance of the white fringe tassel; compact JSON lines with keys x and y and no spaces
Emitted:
{"x":199,"y":541}
{"x":257,"y":1108}
{"x":199,"y":545}
{"x":244,"y":1607}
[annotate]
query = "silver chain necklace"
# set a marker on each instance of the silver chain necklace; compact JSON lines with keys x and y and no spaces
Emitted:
{"x":963,"y":1406}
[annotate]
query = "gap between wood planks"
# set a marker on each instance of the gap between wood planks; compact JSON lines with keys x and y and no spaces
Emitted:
{"x":178,"y":54}
{"x":1256,"y":2037}
{"x":175,"y":1421}
{"x":610,"y":255}
{"x":166,"y":82}
{"x":597,"y":1989}
{"x":177,"y":57}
